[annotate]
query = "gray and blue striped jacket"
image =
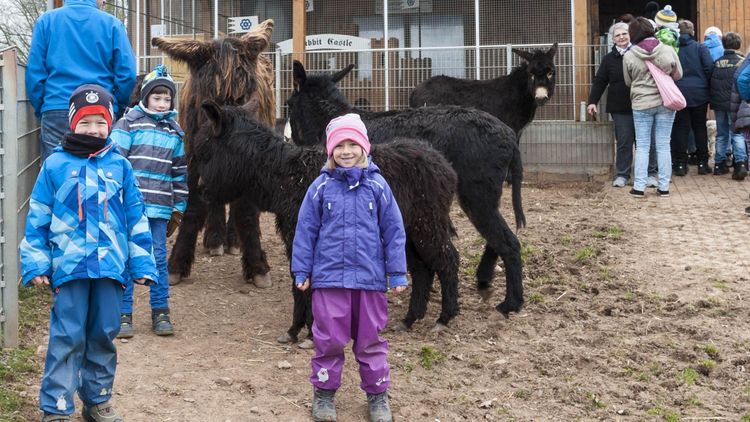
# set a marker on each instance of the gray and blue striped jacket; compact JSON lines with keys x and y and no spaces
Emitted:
{"x":153,"y":144}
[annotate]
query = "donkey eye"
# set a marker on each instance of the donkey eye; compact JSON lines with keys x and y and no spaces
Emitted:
{"x":550,"y":75}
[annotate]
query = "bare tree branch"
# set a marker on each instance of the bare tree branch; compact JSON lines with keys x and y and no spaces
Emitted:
{"x":17,"y":19}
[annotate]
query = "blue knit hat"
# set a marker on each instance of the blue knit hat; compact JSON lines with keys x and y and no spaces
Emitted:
{"x":666,"y":16}
{"x":158,"y":77}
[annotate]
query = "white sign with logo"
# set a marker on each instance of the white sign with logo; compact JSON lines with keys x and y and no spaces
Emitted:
{"x":158,"y":30}
{"x":328,"y":42}
{"x":240,"y":24}
{"x":309,"y":6}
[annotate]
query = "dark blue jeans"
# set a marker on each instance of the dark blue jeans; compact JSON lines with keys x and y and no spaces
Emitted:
{"x":54,"y":126}
{"x":160,"y":290}
{"x":84,"y":320}
{"x":625,"y":137}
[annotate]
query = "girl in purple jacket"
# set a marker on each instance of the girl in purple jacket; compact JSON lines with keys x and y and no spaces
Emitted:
{"x":349,"y":247}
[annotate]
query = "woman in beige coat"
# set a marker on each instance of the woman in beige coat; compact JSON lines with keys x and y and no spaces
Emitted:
{"x":648,"y":109}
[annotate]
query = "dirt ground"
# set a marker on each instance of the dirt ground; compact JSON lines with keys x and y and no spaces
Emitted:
{"x":635,"y":310}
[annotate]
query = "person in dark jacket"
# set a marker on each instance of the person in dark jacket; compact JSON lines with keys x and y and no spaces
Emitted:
{"x":722,"y":81}
{"x":349,"y":247}
{"x":697,"y":67}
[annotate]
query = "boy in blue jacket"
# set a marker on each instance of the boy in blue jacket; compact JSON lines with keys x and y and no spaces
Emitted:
{"x":151,"y":139}
{"x":86,"y":237}
{"x":349,"y":247}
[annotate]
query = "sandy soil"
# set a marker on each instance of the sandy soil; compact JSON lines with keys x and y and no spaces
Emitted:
{"x":636,"y":309}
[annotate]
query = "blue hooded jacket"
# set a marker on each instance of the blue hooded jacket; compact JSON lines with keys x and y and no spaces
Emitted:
{"x":743,"y":81}
{"x":715,"y":47}
{"x":86,"y":221}
{"x":697,"y":68}
{"x":350,"y":233}
{"x":74,"y":45}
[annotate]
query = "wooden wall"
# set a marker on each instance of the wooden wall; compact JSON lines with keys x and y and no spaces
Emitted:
{"x":727,"y":15}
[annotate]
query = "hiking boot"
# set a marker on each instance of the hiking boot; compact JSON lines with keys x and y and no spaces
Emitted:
{"x":323,"y":407}
{"x":380,"y":409}
{"x":103,"y":412}
{"x":51,"y":417}
{"x":720,"y":168}
{"x":160,"y":322}
{"x":703,"y":168}
{"x":740,"y":171}
{"x":680,"y":169}
{"x":126,"y":326}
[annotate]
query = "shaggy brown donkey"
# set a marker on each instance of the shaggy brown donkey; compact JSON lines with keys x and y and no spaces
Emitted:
{"x":481,"y":149}
{"x":513,"y":98}
{"x":239,"y":157}
{"x":228,"y":71}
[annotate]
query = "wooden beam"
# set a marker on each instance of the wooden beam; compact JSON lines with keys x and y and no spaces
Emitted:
{"x":581,"y":46}
{"x":298,"y":30}
{"x":58,"y":3}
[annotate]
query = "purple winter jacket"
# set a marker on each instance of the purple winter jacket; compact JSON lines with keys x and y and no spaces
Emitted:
{"x":350,"y":233}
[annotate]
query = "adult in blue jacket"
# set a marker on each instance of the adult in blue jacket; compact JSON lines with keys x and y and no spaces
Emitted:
{"x":743,"y":82}
{"x":71,"y":46}
{"x":697,"y":68}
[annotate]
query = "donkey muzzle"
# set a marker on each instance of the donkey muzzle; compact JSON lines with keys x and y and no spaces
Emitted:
{"x":541,"y":96}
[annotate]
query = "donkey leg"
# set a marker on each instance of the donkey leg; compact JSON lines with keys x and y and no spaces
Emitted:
{"x":254,"y":263}
{"x":447,"y":264}
{"x":486,"y":272}
{"x":216,"y":228}
{"x":234,"y":237}
{"x":183,"y":253}
{"x":487,"y":219}
{"x":421,"y":277}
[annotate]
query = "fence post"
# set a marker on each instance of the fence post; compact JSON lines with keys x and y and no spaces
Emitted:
{"x":8,"y":198}
{"x":277,"y":85}
{"x":508,"y":59}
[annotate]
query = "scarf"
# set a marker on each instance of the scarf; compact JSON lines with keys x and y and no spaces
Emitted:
{"x":82,"y":145}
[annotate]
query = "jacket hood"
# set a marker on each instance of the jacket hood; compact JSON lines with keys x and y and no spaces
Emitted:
{"x":646,"y":49}
{"x":686,"y":39}
{"x":371,"y":168}
{"x":712,"y":41}
{"x":156,"y":115}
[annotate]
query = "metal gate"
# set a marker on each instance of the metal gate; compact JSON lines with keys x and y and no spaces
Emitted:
{"x":19,"y":166}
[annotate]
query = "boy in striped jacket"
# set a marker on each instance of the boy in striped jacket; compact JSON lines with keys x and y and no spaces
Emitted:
{"x":151,"y":139}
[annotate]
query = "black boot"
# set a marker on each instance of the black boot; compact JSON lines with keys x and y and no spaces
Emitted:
{"x":740,"y":171}
{"x":161,"y":323}
{"x":679,"y":169}
{"x":720,"y":168}
{"x":703,"y":167}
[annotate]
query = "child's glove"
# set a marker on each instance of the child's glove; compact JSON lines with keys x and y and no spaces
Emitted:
{"x":174,"y":222}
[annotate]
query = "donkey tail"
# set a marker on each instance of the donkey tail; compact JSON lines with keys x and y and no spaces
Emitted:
{"x":516,"y":174}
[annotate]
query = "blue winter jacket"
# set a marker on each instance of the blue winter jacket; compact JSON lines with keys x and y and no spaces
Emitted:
{"x":697,"y":67}
{"x":74,"y":45}
{"x":86,"y":221}
{"x":743,"y":82}
{"x":715,"y":47}
{"x":350,"y":233}
{"x":153,"y":144}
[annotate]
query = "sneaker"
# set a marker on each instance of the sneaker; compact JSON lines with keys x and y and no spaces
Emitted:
{"x":323,"y":406}
{"x":126,"y":326}
{"x":652,"y":182}
{"x":662,"y":193}
{"x":380,"y":409}
{"x":740,"y":171}
{"x":51,"y":417}
{"x":703,"y":168}
{"x":720,"y":168}
{"x":160,"y":322}
{"x":637,"y":193}
{"x":103,"y":412}
{"x":619,"y":182}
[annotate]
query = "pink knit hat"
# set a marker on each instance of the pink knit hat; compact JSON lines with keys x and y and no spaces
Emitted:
{"x":346,"y":127}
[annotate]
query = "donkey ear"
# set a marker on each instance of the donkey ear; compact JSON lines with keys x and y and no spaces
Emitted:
{"x":299,"y":74}
{"x":523,"y":54}
{"x":341,"y":73}
{"x":188,"y":51}
{"x":252,"y":107}
{"x":259,"y":37}
{"x":552,"y":51}
{"x":213,"y":113}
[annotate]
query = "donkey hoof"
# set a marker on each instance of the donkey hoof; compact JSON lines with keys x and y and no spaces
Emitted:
{"x":286,"y":338}
{"x":306,"y":344}
{"x":401,"y":327}
{"x":485,"y":294}
{"x":234,"y":250}
{"x":174,"y":279}
{"x":262,"y":281}
{"x":217,"y":251}
{"x":505,"y":308}
{"x":439,"y":327}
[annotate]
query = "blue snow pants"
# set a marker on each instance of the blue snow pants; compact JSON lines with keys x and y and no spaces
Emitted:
{"x":84,"y":320}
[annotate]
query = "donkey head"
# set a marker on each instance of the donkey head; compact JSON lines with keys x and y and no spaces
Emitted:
{"x":540,"y":71}
{"x":315,"y":101}
{"x":228,"y":71}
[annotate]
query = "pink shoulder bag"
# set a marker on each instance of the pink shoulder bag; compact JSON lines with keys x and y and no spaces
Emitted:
{"x":670,"y":94}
